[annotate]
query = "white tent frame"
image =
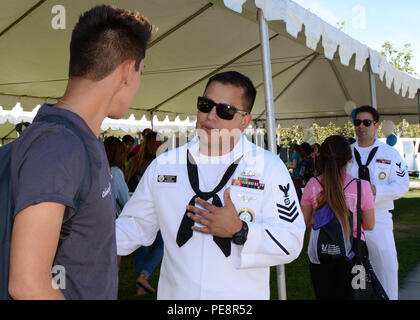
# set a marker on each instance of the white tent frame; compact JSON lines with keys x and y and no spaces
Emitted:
{"x":295,"y":18}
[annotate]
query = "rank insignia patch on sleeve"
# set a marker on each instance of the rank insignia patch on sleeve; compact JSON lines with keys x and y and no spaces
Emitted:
{"x":285,"y":189}
{"x":401,"y":172}
{"x":288,"y":213}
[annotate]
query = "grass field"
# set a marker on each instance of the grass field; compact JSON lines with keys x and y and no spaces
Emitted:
{"x":298,"y":283}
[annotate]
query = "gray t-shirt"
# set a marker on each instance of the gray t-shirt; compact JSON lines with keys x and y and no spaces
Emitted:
{"x":48,"y":165}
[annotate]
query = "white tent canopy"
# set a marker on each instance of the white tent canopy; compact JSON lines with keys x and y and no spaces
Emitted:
{"x":118,"y":127}
{"x":316,"y":68}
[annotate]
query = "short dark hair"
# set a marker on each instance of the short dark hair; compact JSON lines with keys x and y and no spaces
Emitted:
{"x":239,"y":80}
{"x":128,"y":138}
{"x":103,"y":38}
{"x":371,"y":110}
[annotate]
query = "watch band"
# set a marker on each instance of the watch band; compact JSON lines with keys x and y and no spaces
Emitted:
{"x":240,"y":237}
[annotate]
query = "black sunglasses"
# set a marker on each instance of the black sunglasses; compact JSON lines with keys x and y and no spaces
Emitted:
{"x":223,"y":111}
{"x":366,"y":122}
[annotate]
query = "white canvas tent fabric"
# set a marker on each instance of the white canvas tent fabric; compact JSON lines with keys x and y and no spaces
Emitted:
{"x":117,"y":127}
{"x":194,"y":39}
{"x":316,"y":68}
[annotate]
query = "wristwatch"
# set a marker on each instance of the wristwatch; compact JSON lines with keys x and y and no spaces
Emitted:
{"x":241,"y":236}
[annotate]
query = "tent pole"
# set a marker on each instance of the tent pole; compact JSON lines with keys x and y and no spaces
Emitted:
{"x":288,"y":68}
{"x":297,"y":76}
{"x":340,"y":80}
{"x":179,"y":25}
{"x":271,"y":130}
{"x":314,"y":56}
{"x":268,"y":86}
{"x":372,"y":87}
{"x":22,"y":17}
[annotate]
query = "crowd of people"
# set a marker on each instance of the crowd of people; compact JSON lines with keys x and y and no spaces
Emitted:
{"x":128,"y":162}
{"x":303,"y":164}
{"x":217,"y":212}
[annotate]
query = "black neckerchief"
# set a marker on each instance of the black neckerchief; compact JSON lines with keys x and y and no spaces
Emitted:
{"x":363,"y":169}
{"x":185,"y":232}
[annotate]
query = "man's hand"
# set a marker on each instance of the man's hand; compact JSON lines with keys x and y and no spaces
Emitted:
{"x":373,"y":189}
{"x":219,"y":221}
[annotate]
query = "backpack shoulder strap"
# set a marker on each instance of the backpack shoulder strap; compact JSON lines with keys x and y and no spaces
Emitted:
{"x":6,"y":218}
{"x":343,"y":188}
{"x":359,"y":222}
{"x":349,"y":183}
{"x":84,"y":187}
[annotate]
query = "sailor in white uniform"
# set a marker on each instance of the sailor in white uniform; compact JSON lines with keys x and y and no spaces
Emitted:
{"x":227,"y":212}
{"x":383,"y":166}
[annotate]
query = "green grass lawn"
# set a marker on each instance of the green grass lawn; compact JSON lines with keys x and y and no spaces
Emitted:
{"x":298,"y":282}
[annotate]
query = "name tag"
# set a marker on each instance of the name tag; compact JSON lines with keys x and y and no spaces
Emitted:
{"x":166,"y":179}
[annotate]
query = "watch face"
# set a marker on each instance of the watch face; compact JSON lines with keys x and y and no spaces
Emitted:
{"x":241,"y":236}
{"x":239,"y":240}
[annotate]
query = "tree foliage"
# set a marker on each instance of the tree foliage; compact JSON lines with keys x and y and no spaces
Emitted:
{"x":298,"y":134}
{"x":400,"y":59}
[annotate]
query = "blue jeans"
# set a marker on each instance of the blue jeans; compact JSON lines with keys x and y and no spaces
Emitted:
{"x":147,"y":266}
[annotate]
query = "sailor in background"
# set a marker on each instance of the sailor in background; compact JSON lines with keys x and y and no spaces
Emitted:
{"x":382,"y":165}
{"x":227,"y":209}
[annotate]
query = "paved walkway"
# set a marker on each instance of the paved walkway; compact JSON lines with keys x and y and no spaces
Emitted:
{"x":410,"y":287}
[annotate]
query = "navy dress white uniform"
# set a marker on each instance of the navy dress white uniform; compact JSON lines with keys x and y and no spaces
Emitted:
{"x":388,"y":172}
{"x":263,"y":194}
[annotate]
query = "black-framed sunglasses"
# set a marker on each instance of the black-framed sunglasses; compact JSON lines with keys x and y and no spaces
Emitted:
{"x":223,"y":111}
{"x":366,"y":122}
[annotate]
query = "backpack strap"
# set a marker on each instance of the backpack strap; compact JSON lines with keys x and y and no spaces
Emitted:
{"x":359,"y":222}
{"x":84,"y":187}
{"x":343,"y":188}
{"x":349,"y":183}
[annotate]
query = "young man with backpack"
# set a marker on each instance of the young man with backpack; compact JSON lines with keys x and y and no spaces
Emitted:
{"x":50,"y":162}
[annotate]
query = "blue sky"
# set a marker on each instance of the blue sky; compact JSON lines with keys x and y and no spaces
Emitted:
{"x":372,"y":22}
